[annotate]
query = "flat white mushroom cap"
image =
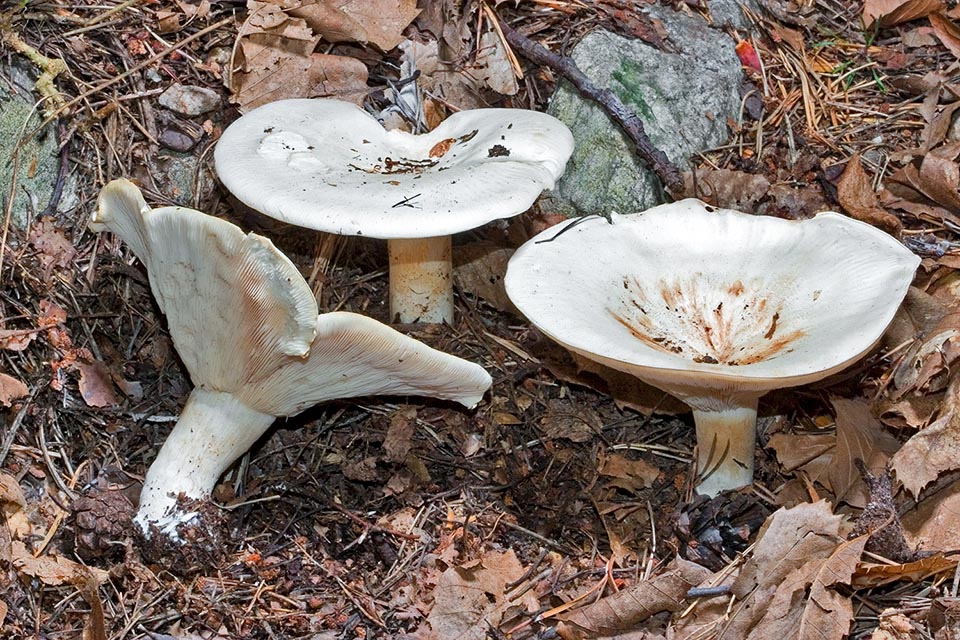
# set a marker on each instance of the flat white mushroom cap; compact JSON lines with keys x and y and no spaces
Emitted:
{"x":330,"y":166}
{"x":688,"y":297}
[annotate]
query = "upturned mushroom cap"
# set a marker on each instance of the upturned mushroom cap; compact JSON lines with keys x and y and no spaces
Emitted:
{"x":244,"y":321}
{"x":330,"y":166}
{"x":709,"y":303}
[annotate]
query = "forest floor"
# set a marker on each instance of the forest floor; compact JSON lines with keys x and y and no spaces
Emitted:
{"x":562,"y":506}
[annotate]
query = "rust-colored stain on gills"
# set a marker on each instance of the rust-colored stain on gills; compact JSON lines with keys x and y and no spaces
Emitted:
{"x":732,"y":325}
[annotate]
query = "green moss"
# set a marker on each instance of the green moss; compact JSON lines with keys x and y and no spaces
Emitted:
{"x":635,"y":82}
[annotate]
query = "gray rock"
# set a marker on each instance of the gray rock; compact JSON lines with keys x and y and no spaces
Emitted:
{"x":189,"y":100}
{"x":39,"y":161}
{"x":183,"y":177}
{"x":684,"y":98}
{"x":728,"y":13}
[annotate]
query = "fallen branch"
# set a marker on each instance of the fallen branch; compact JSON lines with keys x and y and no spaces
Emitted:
{"x":621,"y":113}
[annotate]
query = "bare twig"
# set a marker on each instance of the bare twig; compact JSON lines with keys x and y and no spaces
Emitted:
{"x":621,"y":113}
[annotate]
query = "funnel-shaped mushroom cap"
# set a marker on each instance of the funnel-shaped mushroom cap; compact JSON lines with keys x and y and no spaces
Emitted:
{"x":235,"y":305}
{"x":328,"y":165}
{"x":245,"y":322}
{"x":704,"y":302}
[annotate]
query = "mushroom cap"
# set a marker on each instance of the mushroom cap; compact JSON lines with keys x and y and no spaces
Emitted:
{"x":235,"y":305}
{"x":245,"y":322}
{"x":329,"y":165}
{"x":692,"y":298}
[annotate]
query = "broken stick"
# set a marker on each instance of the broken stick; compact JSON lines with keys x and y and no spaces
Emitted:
{"x":621,"y":113}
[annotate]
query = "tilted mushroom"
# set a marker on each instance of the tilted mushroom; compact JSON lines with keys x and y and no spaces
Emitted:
{"x":330,"y":166}
{"x":247,"y":328}
{"x":716,"y":307}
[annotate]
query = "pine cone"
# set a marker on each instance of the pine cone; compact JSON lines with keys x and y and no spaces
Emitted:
{"x":101,"y":521}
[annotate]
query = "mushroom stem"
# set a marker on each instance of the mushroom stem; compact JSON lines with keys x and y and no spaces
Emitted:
{"x":725,"y":446}
{"x":214,"y":429}
{"x":421,"y":287}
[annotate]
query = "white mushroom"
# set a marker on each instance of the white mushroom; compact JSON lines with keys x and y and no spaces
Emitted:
{"x":330,"y":166}
{"x":716,"y":307}
{"x":246,"y":326}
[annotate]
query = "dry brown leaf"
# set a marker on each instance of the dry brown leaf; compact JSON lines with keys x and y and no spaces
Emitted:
{"x":798,"y":450}
{"x":276,"y":60}
{"x":925,"y":366}
{"x":893,"y":626}
{"x":399,"y":438}
{"x":16,"y":340}
{"x":52,"y":570}
{"x":939,"y":121}
{"x":859,"y":436}
{"x":379,"y":22}
{"x":96,"y":385}
{"x":857,"y":197}
{"x":871,"y":575}
{"x":469,"y":599}
{"x":918,"y":313}
{"x":12,"y":503}
{"x":55,"y":250}
{"x":947,"y":31}
{"x":912,"y":412}
{"x":479,"y":268}
{"x":11,"y":389}
{"x":622,"y":610}
{"x":893,"y":12}
{"x":492,"y":67}
{"x":933,"y":450}
{"x":788,"y":540}
{"x":726,"y":188}
{"x":933,"y":524}
{"x":564,"y":419}
{"x":939,"y":176}
{"x":824,"y":613}
{"x":631,"y":475}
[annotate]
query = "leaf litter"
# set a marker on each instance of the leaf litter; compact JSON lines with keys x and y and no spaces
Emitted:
{"x":562,"y":504}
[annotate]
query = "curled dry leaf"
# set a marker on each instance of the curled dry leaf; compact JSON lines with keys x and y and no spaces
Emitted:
{"x":726,"y":188}
{"x":624,"y":609}
{"x":470,"y":599}
{"x":378,"y":22}
{"x":96,"y":385}
{"x":869,"y":575}
{"x":826,"y":612}
{"x":631,"y":475}
{"x":11,"y":389}
{"x":492,"y":66}
{"x":860,"y":436}
{"x":934,"y":449}
{"x":893,"y":626}
{"x":947,"y":31}
{"x":52,"y":569}
{"x":797,"y":559}
{"x":16,"y":340}
{"x":934,"y":522}
{"x":55,"y":251}
{"x":856,"y":196}
{"x":479,"y":268}
{"x":893,"y":12}
{"x":12,"y":503}
{"x":276,"y":60}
